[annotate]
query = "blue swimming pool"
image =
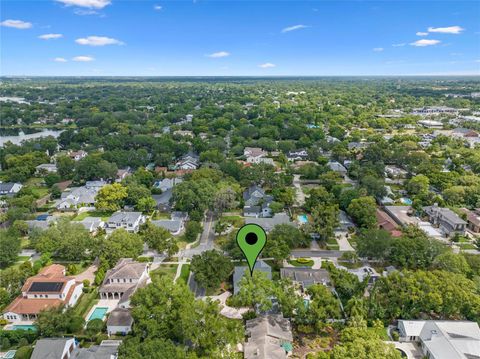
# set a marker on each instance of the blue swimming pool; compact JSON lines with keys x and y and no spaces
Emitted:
{"x":407,"y":201}
{"x":302,"y":218}
{"x":24,"y":327}
{"x":98,"y":313}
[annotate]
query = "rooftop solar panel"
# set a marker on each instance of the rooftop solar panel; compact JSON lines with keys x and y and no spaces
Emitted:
{"x":46,"y":287}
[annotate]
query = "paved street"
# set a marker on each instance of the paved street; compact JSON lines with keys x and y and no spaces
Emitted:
{"x":206,"y":239}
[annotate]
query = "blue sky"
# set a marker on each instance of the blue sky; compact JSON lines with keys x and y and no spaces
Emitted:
{"x":258,"y":38}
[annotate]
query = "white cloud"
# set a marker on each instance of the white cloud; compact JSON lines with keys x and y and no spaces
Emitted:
{"x":421,"y":33}
{"x":293,"y":28}
{"x":17,"y":24}
{"x":50,"y":36}
{"x":219,"y":54}
{"x":425,"y":42}
{"x":59,"y":59}
{"x":98,"y":41}
{"x":447,"y":30}
{"x":83,"y":58}
{"x":157,"y":7}
{"x":399,"y":45}
{"x":82,"y":12}
{"x":91,"y":4}
{"x":267,"y":65}
{"x":378,"y":49}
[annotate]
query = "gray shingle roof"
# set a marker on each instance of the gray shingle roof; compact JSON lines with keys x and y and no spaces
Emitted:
{"x":120,"y":317}
{"x":268,"y":223}
{"x":51,"y":348}
{"x":170,"y":225}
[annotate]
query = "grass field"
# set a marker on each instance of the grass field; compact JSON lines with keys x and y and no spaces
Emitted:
{"x":103,"y":215}
{"x":184,"y":273}
{"x":86,"y":302}
{"x":167,"y":270}
{"x":296,"y":263}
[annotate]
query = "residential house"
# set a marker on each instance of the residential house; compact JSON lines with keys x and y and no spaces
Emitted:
{"x":188,"y":162}
{"x":431,"y":124}
{"x":122,"y":173}
{"x":123,"y":280}
{"x":306,"y":276}
{"x":395,"y":172}
{"x":184,"y":133}
{"x":54,"y":348}
{"x":77,"y":155}
{"x":365,"y":272}
{"x":254,"y":154}
{"x":119,"y":321}
{"x":297,"y":155}
{"x":269,"y":337}
{"x":256,"y":202}
{"x":337,"y":167}
{"x":95,"y":184}
{"x":402,"y":215}
{"x":130,"y":221}
{"x":358,"y":146}
{"x":77,"y":197}
{"x":443,"y":339}
{"x":108,"y":349}
{"x":49,"y":288}
{"x":174,"y":226}
{"x":92,"y":224}
{"x":385,"y":222}
{"x":167,"y":183}
{"x":46,"y":168}
{"x":447,"y":220}
{"x":239,"y":272}
{"x":269,"y":223}
{"x":473,"y":219}
{"x":10,"y":189}
{"x":469,"y":136}
{"x":434,"y":110}
{"x":166,"y":186}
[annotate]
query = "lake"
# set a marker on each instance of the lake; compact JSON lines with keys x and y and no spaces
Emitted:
{"x":16,"y":136}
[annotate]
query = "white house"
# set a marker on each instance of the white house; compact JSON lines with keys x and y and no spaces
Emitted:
{"x":10,"y":188}
{"x":48,"y":289}
{"x":50,"y":348}
{"x":130,"y":221}
{"x":254,"y":154}
{"x":443,"y":339}
{"x":46,"y":167}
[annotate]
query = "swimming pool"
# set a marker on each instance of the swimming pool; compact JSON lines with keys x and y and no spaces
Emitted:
{"x":302,"y":218}
{"x":98,"y":313}
{"x":24,"y":327}
{"x":406,"y":201}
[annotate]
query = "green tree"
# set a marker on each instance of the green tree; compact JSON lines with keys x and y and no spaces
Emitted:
{"x":192,"y":230}
{"x":255,"y":290}
{"x":325,"y":220}
{"x":9,"y":247}
{"x":363,"y":210}
{"x":110,"y":197}
{"x":146,"y":204}
{"x":121,"y":244}
{"x":452,"y":262}
{"x":418,"y":185}
{"x":211,"y":268}
{"x":159,"y":239}
{"x":65,"y":167}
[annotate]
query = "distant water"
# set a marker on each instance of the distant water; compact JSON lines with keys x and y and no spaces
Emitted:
{"x":20,"y":135}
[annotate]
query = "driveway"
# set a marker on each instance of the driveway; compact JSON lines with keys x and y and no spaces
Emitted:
{"x":310,"y":253}
{"x":229,"y":312}
{"x":88,"y":274}
{"x":342,"y":241}
{"x":300,"y":196}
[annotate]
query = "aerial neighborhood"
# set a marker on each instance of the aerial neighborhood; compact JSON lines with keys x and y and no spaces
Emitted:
{"x":119,"y":218}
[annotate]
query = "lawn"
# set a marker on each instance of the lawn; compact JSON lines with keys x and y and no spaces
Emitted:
{"x":466,"y":246}
{"x":23,"y":258}
{"x":37,"y":186}
{"x":301,"y":262}
{"x":332,"y":244}
{"x":86,"y":302}
{"x":160,"y":215}
{"x":103,"y":215}
{"x":236,"y":221}
{"x":165,"y":270}
{"x":350,"y":265}
{"x":184,"y":273}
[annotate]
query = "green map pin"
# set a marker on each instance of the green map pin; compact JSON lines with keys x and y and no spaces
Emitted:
{"x":251,"y":239}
